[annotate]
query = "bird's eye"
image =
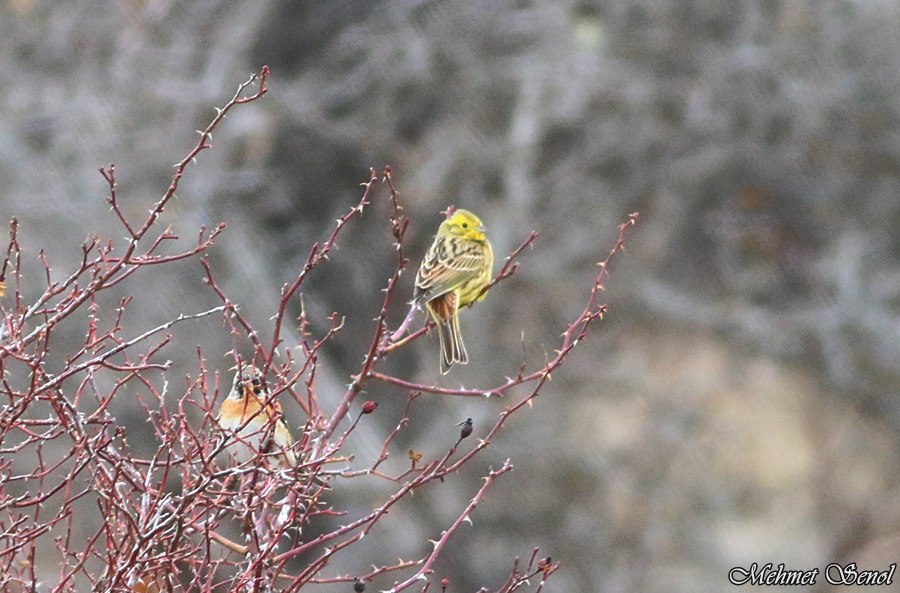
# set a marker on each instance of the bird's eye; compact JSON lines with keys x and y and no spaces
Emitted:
{"x":465,"y":225}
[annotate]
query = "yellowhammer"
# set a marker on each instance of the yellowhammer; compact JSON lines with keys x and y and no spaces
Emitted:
{"x":455,"y":271}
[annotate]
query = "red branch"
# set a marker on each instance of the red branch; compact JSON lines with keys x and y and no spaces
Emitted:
{"x":169,"y":521}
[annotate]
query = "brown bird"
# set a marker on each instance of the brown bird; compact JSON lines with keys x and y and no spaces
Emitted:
{"x":264,"y":429}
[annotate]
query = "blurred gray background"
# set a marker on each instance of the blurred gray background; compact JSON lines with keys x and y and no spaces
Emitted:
{"x":739,"y":402}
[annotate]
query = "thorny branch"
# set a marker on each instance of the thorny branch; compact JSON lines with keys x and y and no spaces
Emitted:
{"x":169,"y":519}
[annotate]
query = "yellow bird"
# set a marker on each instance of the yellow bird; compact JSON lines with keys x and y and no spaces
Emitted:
{"x":455,"y":271}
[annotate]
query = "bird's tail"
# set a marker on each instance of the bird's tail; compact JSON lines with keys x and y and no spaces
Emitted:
{"x":444,"y":311}
{"x":452,"y":348}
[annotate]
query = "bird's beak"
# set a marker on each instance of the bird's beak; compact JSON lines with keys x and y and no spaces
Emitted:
{"x":481,"y":228}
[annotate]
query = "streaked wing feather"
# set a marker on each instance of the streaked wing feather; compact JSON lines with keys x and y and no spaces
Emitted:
{"x":439,"y":275}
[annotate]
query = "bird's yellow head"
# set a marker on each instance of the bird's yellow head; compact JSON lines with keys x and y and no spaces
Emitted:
{"x":463,"y":223}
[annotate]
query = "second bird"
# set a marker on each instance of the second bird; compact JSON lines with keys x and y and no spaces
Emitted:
{"x":455,"y":271}
{"x":259,"y":422}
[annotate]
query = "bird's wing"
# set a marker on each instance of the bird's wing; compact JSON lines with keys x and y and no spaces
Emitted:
{"x":443,"y":271}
